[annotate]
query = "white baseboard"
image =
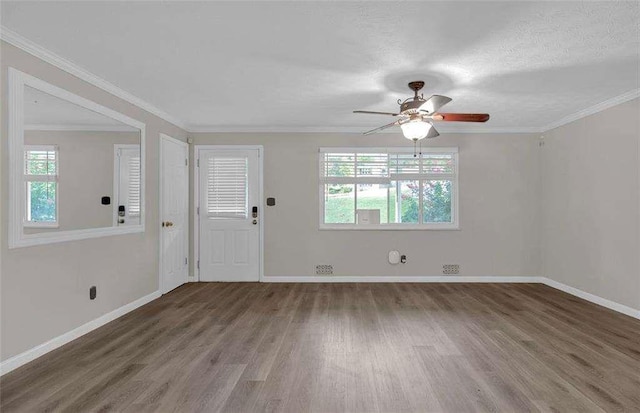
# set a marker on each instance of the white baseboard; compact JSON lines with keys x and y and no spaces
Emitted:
{"x":401,"y":279}
{"x":29,"y":355}
{"x":612,"y":305}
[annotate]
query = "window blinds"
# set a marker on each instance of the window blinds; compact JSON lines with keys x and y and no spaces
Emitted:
{"x":339,"y":166}
{"x":227,"y":187}
{"x":133,"y":187}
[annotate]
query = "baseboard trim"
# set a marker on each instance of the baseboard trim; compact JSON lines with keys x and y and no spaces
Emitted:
{"x":612,"y":305}
{"x":40,"y":350}
{"x":401,"y":279}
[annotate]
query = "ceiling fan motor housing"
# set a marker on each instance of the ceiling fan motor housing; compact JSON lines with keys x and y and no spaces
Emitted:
{"x":411,"y":105}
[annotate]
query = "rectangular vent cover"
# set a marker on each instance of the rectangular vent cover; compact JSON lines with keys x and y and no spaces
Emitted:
{"x":324,"y":269}
{"x":448,"y":269}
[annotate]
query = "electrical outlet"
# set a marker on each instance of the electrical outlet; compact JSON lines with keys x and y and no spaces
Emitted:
{"x":324,"y":269}
{"x":449,"y":269}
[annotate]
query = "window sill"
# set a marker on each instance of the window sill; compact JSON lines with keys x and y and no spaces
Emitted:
{"x":41,"y":225}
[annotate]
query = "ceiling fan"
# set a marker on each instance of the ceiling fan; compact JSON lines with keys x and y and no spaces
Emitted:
{"x":417,"y":115}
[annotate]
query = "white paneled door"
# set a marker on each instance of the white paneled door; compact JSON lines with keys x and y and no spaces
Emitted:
{"x":229,"y":214}
{"x":174,"y":210}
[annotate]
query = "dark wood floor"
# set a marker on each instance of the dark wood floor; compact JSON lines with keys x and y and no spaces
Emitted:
{"x":344,"y":348}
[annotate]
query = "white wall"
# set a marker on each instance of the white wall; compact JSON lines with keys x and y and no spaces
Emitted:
{"x":498,"y":233}
{"x":45,"y":289}
{"x":590,"y":185}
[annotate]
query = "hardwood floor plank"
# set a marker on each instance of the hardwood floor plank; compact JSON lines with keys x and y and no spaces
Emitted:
{"x":244,"y":347}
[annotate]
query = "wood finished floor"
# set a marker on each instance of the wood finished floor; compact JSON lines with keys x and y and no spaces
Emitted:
{"x":344,"y":348}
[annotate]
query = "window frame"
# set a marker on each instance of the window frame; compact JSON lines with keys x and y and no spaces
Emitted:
{"x":27,"y":223}
{"x":455,"y":207}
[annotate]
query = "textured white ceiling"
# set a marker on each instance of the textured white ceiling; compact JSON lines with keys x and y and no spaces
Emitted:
{"x":309,"y":64}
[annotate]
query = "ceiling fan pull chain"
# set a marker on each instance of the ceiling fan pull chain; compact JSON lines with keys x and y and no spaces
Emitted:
{"x":415,"y":141}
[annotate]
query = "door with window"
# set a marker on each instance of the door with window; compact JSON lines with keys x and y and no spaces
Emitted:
{"x":229,"y":214}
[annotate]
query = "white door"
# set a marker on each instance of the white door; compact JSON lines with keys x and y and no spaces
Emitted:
{"x":229,"y":214}
{"x":174,"y":210}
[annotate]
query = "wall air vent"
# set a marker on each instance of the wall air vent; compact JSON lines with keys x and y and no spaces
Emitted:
{"x":324,"y":269}
{"x":450,"y":269}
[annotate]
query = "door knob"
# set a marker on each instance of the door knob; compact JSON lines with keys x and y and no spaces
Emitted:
{"x":169,"y":223}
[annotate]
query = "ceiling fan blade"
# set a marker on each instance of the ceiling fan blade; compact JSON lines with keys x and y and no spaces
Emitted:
{"x":375,"y":113}
{"x":382,"y":128}
{"x":434,"y":103}
{"x":433,"y":133}
{"x":461,"y":117}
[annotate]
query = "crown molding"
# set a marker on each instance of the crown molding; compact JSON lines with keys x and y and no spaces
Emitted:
{"x":40,"y":52}
{"x":80,"y":128}
{"x":347,"y":129}
{"x":591,"y":110}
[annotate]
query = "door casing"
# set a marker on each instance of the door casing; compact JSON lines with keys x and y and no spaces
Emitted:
{"x":196,"y":202}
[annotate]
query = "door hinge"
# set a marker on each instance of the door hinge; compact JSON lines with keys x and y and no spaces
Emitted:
{"x":186,"y":162}
{"x":186,"y":261}
{"x":198,"y":162}
{"x":197,"y":210}
{"x":198,"y":264}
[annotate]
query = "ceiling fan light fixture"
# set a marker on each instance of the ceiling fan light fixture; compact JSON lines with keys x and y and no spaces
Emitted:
{"x":416,"y":129}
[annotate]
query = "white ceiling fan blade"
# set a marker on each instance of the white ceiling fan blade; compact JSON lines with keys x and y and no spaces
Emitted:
{"x":382,"y":128}
{"x":434,"y":103}
{"x":375,"y":113}
{"x":432,"y":133}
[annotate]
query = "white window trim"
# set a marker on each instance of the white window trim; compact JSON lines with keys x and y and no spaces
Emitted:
{"x":445,"y":226}
{"x":40,"y":178}
{"x":17,"y":238}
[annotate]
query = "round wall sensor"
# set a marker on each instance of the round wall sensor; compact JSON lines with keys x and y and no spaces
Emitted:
{"x":394,"y":257}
